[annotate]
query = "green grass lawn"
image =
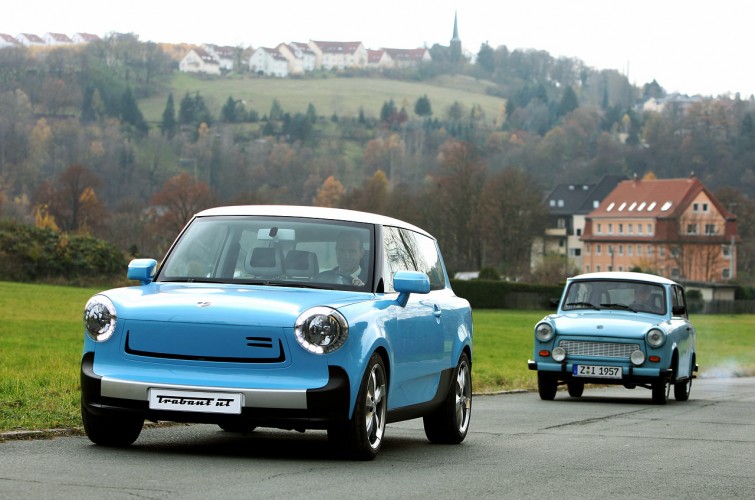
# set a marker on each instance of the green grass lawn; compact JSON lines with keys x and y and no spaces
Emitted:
{"x":342,"y":96}
{"x":41,"y":337}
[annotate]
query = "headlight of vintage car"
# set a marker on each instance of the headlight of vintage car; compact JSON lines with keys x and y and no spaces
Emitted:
{"x":544,"y":332}
{"x":637,"y":357}
{"x":321,"y":330}
{"x":655,"y":337}
{"x":559,"y":354}
{"x":99,"y":318}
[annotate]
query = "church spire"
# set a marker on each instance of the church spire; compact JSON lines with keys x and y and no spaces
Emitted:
{"x":455,"y":42}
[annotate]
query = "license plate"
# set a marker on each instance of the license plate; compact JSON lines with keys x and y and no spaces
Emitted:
{"x":596,"y":371}
{"x":196,"y":401}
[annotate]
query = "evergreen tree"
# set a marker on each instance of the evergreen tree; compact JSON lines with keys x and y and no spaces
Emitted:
{"x":568,"y":102}
{"x":131,"y":114}
{"x":486,"y":58}
{"x":423,"y":107}
{"x":169,"y":124}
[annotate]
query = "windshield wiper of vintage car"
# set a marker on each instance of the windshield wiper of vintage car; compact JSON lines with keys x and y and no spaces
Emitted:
{"x":583,"y":304}
{"x":619,"y":306}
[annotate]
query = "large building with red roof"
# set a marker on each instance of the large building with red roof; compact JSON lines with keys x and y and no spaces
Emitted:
{"x":672,"y":227}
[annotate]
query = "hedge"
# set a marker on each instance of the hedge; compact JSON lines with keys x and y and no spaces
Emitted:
{"x":29,"y":253}
{"x":488,"y":294}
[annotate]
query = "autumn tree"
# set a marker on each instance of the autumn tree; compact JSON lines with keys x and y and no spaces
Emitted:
{"x":72,"y":200}
{"x":330,"y":193}
{"x":511,"y":214}
{"x":175,"y":204}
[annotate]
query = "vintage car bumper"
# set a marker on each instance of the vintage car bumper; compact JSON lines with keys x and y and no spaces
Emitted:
{"x":294,"y":408}
{"x":630,"y":373}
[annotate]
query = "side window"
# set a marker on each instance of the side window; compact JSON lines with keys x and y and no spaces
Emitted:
{"x":405,"y":250}
{"x":677,"y":298}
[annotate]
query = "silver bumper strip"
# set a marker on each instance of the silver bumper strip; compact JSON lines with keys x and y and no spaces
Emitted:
{"x":292,"y":399}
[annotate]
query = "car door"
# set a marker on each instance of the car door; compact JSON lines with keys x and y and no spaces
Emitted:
{"x":683,"y":330}
{"x":420,"y":349}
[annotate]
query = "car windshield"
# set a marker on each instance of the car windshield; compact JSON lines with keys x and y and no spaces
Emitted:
{"x":632,"y":296}
{"x":273,"y":251}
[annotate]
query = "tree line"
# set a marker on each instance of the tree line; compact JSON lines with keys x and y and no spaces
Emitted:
{"x":76,"y":153}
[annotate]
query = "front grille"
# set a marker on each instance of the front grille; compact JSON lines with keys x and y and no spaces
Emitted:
{"x":598,"y":349}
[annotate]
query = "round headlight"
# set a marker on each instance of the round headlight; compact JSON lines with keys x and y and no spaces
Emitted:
{"x":544,"y":332}
{"x":321,"y":330}
{"x":655,"y":337}
{"x":99,"y":318}
{"x":637,"y":357}
{"x":559,"y":354}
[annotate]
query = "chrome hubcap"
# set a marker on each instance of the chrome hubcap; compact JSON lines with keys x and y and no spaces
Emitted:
{"x":463,"y":397}
{"x":375,"y":406}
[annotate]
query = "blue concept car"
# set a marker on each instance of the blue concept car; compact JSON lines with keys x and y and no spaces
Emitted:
{"x":286,"y":317}
{"x":618,"y":328}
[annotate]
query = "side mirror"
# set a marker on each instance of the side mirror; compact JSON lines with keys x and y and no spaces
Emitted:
{"x":408,"y":282}
{"x":142,"y":270}
{"x":678,"y":311}
{"x":553,"y":302}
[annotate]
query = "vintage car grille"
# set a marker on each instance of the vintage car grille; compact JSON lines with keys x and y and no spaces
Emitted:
{"x":598,"y":349}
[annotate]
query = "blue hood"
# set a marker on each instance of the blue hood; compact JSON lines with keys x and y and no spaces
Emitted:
{"x":618,"y":324}
{"x":224,"y":304}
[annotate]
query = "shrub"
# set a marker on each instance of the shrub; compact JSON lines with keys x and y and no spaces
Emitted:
{"x":28,"y":253}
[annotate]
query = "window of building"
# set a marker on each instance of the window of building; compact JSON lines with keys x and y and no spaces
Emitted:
{"x":726,"y":273}
{"x":726,"y":250}
{"x":621,"y":268}
{"x":650,"y":250}
{"x":560,"y":203}
{"x":621,"y":249}
{"x":587,"y":268}
{"x":630,"y":250}
{"x":561,"y":223}
{"x":598,"y":249}
{"x":630,"y":228}
{"x":675,"y":272}
{"x":597,"y":268}
{"x":650,"y":229}
{"x":705,"y":207}
{"x":610,"y":249}
{"x":621,"y":228}
{"x":662,"y":251}
{"x":639,"y":228}
{"x":579,"y":231}
{"x":610,"y":228}
{"x":639,"y":250}
{"x":600,"y":228}
{"x":710,"y":229}
{"x":692,"y":228}
{"x":587,"y":248}
{"x":695,"y":207}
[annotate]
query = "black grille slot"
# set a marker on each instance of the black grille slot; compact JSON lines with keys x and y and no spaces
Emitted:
{"x":265,"y":342}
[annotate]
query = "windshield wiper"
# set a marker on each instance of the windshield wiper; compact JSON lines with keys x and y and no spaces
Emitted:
{"x":620,"y":306}
{"x":583,"y":304}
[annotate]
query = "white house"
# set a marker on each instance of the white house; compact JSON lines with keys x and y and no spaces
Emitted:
{"x":301,"y":59}
{"x":378,"y":59}
{"x":81,"y":38}
{"x":7,"y":41}
{"x":56,"y":39}
{"x":339,"y":55}
{"x":268,"y":62}
{"x":29,"y":40}
{"x":225,"y":55}
{"x":407,"y":58}
{"x":199,"y":61}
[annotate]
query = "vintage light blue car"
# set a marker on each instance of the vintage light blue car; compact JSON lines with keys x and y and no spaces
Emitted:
{"x":622,"y":328}
{"x":288,"y":317}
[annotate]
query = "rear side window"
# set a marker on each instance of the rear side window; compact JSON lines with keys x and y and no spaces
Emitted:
{"x":406,"y":250}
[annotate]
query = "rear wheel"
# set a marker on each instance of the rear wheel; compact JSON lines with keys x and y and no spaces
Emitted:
{"x":576,"y":388}
{"x":450,"y":423}
{"x":546,"y":386}
{"x":117,"y":431}
{"x":682,"y":390}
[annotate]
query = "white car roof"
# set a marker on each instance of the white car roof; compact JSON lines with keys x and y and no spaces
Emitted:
{"x":311,"y":213}
{"x":627,"y":276}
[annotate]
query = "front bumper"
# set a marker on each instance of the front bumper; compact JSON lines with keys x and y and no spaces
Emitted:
{"x":630,"y":374}
{"x":289,"y":408}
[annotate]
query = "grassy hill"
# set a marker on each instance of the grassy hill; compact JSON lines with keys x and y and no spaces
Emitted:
{"x":342,"y":96}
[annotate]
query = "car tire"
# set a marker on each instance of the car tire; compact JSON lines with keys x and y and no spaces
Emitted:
{"x":660,"y":390}
{"x":546,"y":386}
{"x":240,"y":428}
{"x":361,"y":436}
{"x":118,"y":431}
{"x":576,"y":388}
{"x":450,"y":423}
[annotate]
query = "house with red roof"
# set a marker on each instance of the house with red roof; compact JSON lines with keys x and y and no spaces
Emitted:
{"x":198,"y":60}
{"x":7,"y":41}
{"x":339,"y":55}
{"x":29,"y":39}
{"x":55,"y":39}
{"x":671,"y":227}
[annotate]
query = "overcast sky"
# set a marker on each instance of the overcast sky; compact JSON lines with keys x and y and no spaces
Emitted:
{"x":687,"y":48}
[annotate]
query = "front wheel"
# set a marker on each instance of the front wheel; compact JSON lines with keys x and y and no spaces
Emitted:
{"x":546,"y":386}
{"x":117,"y":431}
{"x":450,"y":423}
{"x":362,"y":436}
{"x":660,"y":392}
{"x":682,"y":389}
{"x":576,"y":388}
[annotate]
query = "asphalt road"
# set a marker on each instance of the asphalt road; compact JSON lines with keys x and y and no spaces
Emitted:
{"x":610,"y":443}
